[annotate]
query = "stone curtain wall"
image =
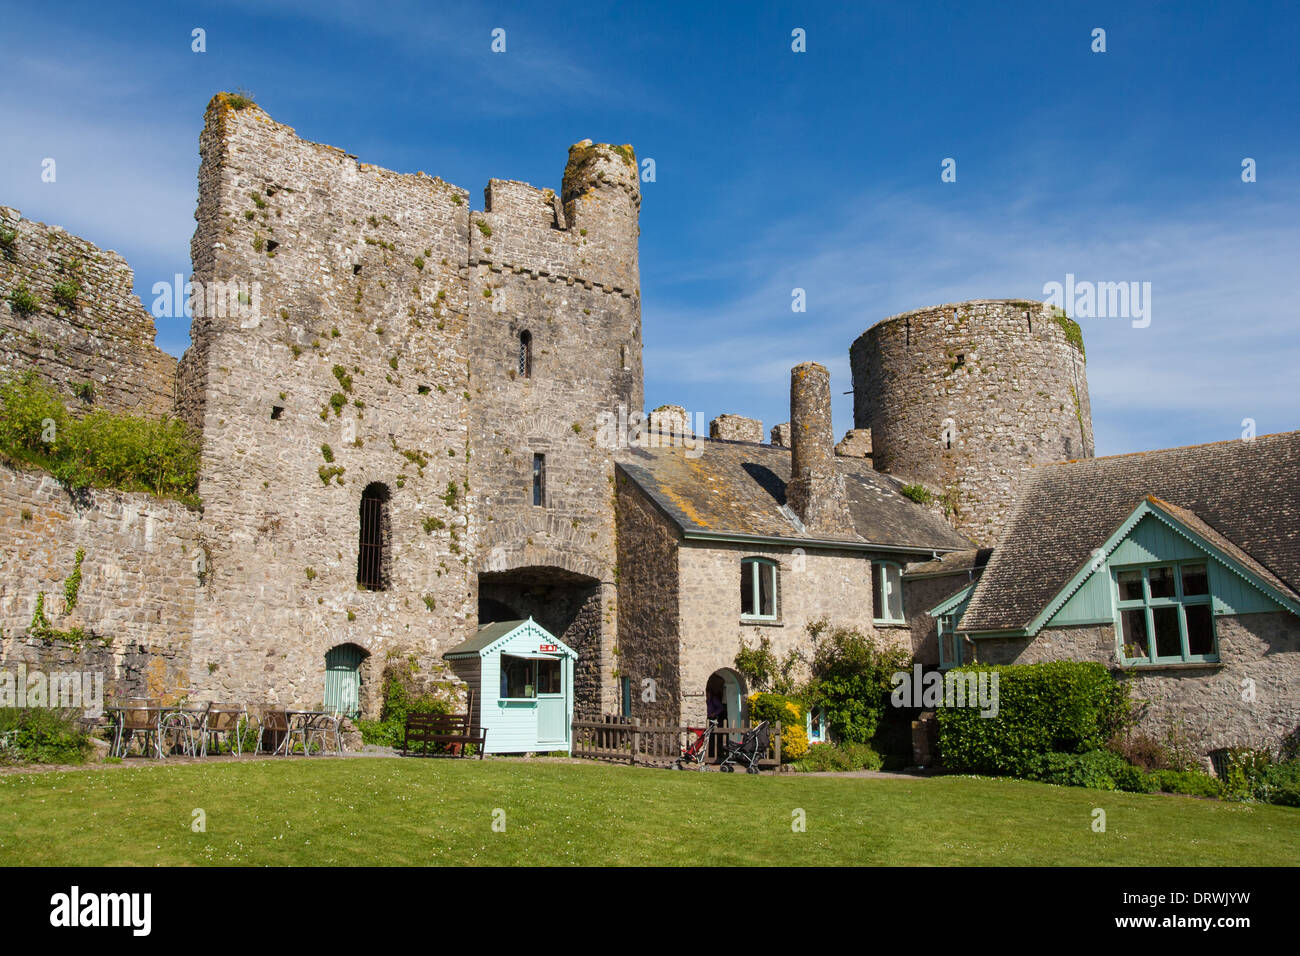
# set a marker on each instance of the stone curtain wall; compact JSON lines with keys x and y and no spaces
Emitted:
{"x":138,"y":583}
{"x":106,"y":338}
{"x":1002,"y":378}
{"x":1205,"y":703}
{"x":363,"y":297}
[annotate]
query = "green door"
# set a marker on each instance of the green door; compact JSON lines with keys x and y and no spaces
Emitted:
{"x":343,"y":680}
{"x":552,"y":705}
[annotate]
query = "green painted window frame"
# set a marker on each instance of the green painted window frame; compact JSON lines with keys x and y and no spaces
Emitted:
{"x":626,"y":695}
{"x":946,"y":625}
{"x":752,"y":566}
{"x":1148,"y":604}
{"x":878,"y":567}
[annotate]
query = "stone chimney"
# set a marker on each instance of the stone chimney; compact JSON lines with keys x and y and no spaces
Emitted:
{"x":816,"y":490}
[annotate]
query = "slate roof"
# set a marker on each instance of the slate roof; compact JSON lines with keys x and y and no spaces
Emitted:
{"x":736,"y":487}
{"x":955,"y":562}
{"x":1242,"y":495}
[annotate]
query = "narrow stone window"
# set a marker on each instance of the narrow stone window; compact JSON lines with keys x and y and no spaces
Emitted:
{"x":907,"y":325}
{"x":271,"y":246}
{"x":372,"y":549}
{"x":356,"y":268}
{"x":622,"y":356}
{"x":886,"y":592}
{"x":758,"y":588}
{"x":277,"y":412}
{"x":525,"y":354}
{"x":1030,"y":319}
{"x":539,"y":480}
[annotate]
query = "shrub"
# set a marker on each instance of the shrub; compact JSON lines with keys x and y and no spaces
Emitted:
{"x":23,"y":301}
{"x":1280,"y":783}
{"x":102,"y":450}
{"x":27,"y":406}
{"x":1069,"y":707}
{"x":1142,"y":750}
{"x":851,"y":679}
{"x":1242,"y":771}
{"x":918,"y":493}
{"x":400,"y":699}
{"x":790,"y":714}
{"x":1194,"y":783}
{"x":1096,"y":769}
{"x":838,"y":758}
{"x":761,"y":669}
{"x":65,"y":293}
{"x":44,"y":735}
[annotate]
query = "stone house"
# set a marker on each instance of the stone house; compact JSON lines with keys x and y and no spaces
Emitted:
{"x":1178,"y":568}
{"x":745,"y":541}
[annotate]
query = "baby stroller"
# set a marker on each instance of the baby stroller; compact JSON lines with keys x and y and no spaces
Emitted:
{"x":695,"y":751}
{"x":751,"y":749}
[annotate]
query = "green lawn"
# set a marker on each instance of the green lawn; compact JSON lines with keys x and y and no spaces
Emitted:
{"x":419,"y":812}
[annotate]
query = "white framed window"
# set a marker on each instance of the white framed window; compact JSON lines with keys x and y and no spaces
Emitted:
{"x":758,"y":589}
{"x":887,"y":591}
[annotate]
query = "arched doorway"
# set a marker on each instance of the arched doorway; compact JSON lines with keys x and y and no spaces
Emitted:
{"x":343,"y":679}
{"x":724,"y":699}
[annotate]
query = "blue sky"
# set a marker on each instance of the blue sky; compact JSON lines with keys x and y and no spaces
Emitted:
{"x":775,"y":169}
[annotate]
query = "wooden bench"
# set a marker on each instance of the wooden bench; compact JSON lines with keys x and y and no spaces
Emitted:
{"x":452,"y":729}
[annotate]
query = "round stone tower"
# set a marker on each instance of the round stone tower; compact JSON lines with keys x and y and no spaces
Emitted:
{"x":601,"y":194}
{"x":962,"y":398}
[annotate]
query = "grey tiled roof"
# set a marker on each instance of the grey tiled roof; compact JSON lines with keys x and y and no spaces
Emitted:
{"x":971,"y":560}
{"x":739,"y":488}
{"x":1246,"y":493}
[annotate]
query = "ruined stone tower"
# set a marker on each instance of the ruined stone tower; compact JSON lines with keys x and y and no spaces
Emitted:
{"x":399,"y":423}
{"x":961,"y":398}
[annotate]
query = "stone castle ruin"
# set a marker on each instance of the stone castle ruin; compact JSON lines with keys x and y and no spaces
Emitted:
{"x":397,"y":408}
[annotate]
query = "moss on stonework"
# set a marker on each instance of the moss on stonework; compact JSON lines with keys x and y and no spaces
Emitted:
{"x":1073,"y":333}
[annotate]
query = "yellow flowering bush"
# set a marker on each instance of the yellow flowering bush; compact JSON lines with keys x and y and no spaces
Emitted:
{"x":790,"y":713}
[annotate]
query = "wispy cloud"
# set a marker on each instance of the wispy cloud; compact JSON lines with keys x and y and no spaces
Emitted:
{"x":1221,"y":345}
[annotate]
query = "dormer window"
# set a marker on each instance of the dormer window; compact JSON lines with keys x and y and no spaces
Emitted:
{"x":1165,"y":614}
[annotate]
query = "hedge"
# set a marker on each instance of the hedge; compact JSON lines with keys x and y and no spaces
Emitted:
{"x":1056,"y":707}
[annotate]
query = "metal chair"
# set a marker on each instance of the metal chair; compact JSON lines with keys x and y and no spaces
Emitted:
{"x":320,"y":729}
{"x":137,"y":719}
{"x":226,"y":719}
{"x":274,"y":720}
{"x":180,"y":729}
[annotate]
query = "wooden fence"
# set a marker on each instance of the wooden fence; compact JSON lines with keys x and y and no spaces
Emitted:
{"x":657,"y":743}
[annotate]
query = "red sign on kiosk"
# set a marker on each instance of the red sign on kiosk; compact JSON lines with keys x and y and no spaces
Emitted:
{"x":547,"y":647}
